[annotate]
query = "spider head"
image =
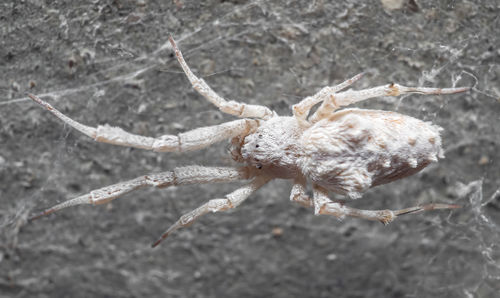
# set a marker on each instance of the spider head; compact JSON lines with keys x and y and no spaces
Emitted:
{"x":274,"y":145}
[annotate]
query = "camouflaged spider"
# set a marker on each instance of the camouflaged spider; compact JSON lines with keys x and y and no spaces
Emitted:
{"x":346,"y":151}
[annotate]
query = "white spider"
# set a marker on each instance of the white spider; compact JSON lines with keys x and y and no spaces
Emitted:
{"x":346,"y":152}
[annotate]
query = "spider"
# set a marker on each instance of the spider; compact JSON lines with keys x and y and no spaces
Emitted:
{"x":345,"y":152}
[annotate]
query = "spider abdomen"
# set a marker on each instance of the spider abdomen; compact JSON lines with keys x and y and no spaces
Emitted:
{"x":356,"y":149}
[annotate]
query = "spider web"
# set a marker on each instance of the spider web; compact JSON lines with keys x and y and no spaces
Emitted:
{"x":105,"y":61}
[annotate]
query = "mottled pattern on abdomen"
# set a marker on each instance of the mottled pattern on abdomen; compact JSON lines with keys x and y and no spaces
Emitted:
{"x":356,"y":149}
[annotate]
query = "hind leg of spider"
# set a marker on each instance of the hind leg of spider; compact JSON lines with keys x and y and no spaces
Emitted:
{"x":238,"y":109}
{"x":188,"y":141}
{"x":352,"y":96}
{"x":301,"y":110}
{"x":231,"y":200}
{"x":323,"y":205}
{"x":384,"y":216}
{"x":179,"y":176}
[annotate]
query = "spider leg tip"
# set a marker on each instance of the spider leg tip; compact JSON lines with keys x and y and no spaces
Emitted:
{"x":172,"y":41}
{"x":39,"y":215}
{"x":39,"y":101}
{"x":33,"y":97}
{"x":453,"y":206}
{"x":157,"y":242}
{"x":34,"y":217}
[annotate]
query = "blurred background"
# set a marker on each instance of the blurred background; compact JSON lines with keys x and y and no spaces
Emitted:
{"x":110,"y":62}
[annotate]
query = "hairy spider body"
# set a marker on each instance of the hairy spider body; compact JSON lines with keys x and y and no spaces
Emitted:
{"x":346,"y":151}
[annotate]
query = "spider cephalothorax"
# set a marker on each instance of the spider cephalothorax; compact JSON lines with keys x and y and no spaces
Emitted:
{"x":275,"y":146}
{"x":345,"y":151}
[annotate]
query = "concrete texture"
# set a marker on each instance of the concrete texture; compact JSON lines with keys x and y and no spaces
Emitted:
{"x":108,"y":62}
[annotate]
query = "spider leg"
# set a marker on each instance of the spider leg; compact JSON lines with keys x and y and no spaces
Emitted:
{"x":298,"y":193}
{"x":231,"y":200}
{"x":323,"y":205}
{"x":351,"y":96}
{"x":238,"y":109}
{"x":301,"y":110}
{"x":188,"y":141}
{"x":179,"y":176}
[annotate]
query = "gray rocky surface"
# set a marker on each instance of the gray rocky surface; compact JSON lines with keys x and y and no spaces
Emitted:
{"x":108,"y":62}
